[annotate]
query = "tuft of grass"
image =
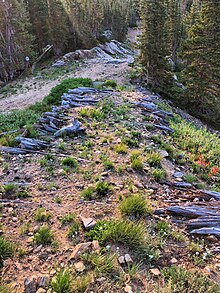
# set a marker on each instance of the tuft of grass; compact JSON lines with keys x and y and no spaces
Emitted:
{"x":102,"y":188}
{"x":7,"y":250}
{"x":190,"y":178}
{"x":81,"y":283}
{"x":44,"y":235}
{"x":163,"y":228}
{"x":70,"y":162}
{"x":154,"y":159}
{"x":101,"y":264}
{"x":121,"y":149}
{"x":42,"y":216}
{"x":118,"y":231}
{"x":108,"y":165}
{"x":10,"y":188}
{"x":63,"y":281}
{"x":73,"y":230}
{"x":137,"y":165}
{"x":136,"y":206}
{"x":180,"y":280}
{"x":88,"y":193}
{"x":159,"y":174}
{"x":68,"y":218}
{"x":110,"y":83}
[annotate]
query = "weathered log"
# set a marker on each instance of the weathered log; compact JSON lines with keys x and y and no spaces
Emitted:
{"x":212,"y":194}
{"x":8,"y":132}
{"x":31,"y":143}
{"x":168,"y":129}
{"x":190,"y":211}
{"x":213,"y":221}
{"x":182,"y":185}
{"x":75,"y":127}
{"x":207,"y":231}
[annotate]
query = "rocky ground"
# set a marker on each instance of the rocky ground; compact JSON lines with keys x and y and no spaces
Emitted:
{"x":45,"y":189}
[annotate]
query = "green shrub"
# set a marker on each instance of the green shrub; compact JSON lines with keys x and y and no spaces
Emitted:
{"x":43,"y":236}
{"x":108,"y":165}
{"x":110,"y":83}
{"x":7,"y":250}
{"x":62,"y":283}
{"x":10,"y":188}
{"x":181,"y":281}
{"x":135,"y":205}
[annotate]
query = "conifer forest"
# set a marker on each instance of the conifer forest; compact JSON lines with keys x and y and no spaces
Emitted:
{"x":110,"y":146}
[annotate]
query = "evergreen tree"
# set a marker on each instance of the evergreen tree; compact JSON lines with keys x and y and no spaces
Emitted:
{"x":202,"y":61}
{"x":154,"y":44}
{"x":15,"y":40}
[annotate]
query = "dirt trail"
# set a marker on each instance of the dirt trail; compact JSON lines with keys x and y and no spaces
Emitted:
{"x":34,"y":90}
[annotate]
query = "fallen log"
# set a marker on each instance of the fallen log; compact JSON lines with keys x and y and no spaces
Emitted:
{"x":213,"y":221}
{"x":207,"y":231}
{"x":211,"y":194}
{"x":191,"y":211}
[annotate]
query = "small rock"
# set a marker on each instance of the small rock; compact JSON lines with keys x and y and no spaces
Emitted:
{"x":79,"y":266}
{"x":212,"y":239}
{"x":95,"y":246}
{"x":41,"y":290}
{"x":128,"y":289}
{"x":102,"y":279}
{"x":121,"y":260}
{"x":78,"y":249}
{"x":164,"y":154}
{"x":30,"y":285}
{"x":88,"y":223}
{"x":128,"y":259}
{"x":178,"y":175}
{"x":155,"y":272}
{"x":173,"y":261}
{"x":43,"y":281}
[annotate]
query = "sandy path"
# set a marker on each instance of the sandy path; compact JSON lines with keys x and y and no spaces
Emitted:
{"x":34,"y":90}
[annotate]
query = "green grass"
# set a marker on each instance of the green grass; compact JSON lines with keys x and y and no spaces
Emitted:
{"x":43,"y":236}
{"x":158,"y":174}
{"x":42,"y":216}
{"x":62,"y":283}
{"x":88,"y":193}
{"x":136,"y":206}
{"x":181,"y":281}
{"x":70,"y":162}
{"x":102,"y":188}
{"x":200,"y":147}
{"x":137,"y":165}
{"x":7,"y":250}
{"x":73,"y":230}
{"x":68,"y":218}
{"x":154,"y":159}
{"x":121,"y":149}
{"x":101,"y":264}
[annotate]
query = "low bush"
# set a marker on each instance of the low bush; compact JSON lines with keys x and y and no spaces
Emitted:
{"x":43,"y":236}
{"x":7,"y":250}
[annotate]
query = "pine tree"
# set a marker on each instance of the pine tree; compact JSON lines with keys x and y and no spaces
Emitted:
{"x":154,"y":44}
{"x":174,"y":28}
{"x":15,"y":39}
{"x":202,"y":61}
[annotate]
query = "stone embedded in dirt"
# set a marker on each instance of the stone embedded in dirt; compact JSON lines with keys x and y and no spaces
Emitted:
{"x":43,"y":281}
{"x":79,"y":267}
{"x":30,"y":285}
{"x":78,"y":249}
{"x":173,"y":261}
{"x":164,"y":154}
{"x":128,"y":289}
{"x":41,"y":290}
{"x":178,"y":175}
{"x":121,"y":260}
{"x":95,"y":246}
{"x":88,"y":223}
{"x":128,"y":258}
{"x":155,"y":272}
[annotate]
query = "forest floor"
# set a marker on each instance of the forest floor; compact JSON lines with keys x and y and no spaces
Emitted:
{"x":136,"y":177}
